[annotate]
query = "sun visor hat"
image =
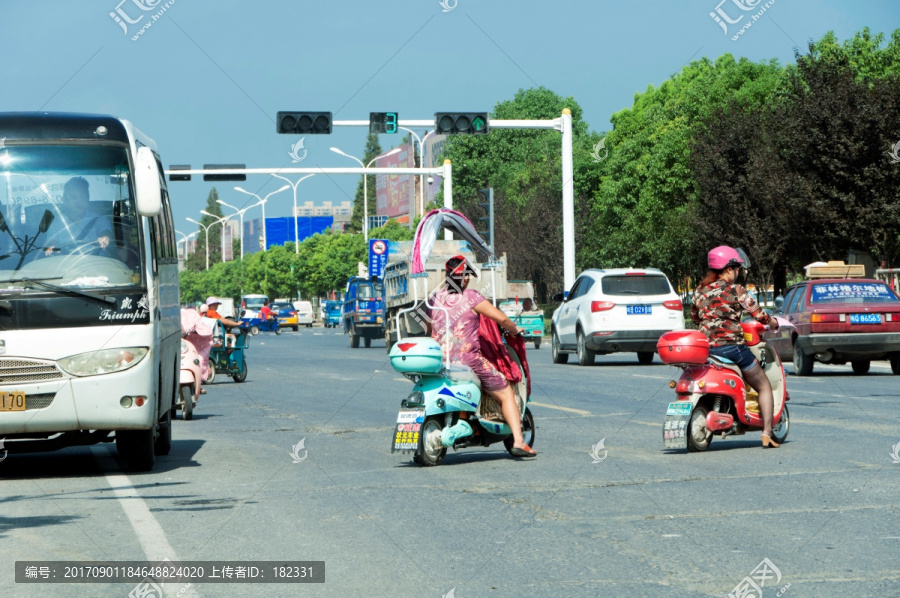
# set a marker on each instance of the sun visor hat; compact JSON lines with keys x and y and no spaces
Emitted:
{"x":459,"y":265}
{"x":213,"y":301}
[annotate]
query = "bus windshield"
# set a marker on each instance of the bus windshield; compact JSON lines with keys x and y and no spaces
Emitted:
{"x":67,"y":214}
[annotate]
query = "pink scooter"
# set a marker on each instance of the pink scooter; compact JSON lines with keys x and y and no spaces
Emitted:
{"x":195,"y":345}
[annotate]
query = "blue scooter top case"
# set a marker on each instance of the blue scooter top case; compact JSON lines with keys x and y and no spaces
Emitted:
{"x":416,"y":355}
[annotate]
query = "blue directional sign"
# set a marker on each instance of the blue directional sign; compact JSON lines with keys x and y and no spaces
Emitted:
{"x":378,"y":257}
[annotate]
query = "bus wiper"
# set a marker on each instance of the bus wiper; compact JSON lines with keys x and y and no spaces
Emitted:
{"x":52,"y":287}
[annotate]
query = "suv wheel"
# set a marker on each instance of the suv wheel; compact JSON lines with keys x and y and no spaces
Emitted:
{"x":554,"y":350}
{"x":585,"y":355}
{"x":895,"y":363}
{"x":645,"y":357}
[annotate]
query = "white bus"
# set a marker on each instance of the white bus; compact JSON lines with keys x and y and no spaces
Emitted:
{"x":89,"y":315}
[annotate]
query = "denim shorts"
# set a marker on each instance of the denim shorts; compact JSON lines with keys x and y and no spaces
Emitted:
{"x":739,"y":354}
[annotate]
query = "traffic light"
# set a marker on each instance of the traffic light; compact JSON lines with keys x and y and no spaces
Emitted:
{"x":486,"y":201}
{"x":470,"y":123}
{"x":303,"y":123}
{"x":383,"y":122}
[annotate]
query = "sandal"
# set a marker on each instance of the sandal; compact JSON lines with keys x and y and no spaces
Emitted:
{"x":517,"y":452}
{"x":768,"y":442}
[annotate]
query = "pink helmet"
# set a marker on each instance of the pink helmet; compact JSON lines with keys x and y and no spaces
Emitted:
{"x":724,"y":256}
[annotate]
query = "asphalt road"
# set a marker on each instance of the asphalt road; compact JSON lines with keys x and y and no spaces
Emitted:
{"x":633,"y":520}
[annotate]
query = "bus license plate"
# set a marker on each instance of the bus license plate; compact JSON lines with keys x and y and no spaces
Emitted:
{"x":865,"y":318}
{"x":638,"y":309}
{"x":12,"y":401}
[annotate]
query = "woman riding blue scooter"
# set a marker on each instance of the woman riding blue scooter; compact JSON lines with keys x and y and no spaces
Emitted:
{"x":464,"y":307}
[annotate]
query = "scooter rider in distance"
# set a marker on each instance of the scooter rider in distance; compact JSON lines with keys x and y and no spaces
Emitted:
{"x":717,"y":307}
{"x":465,"y":307}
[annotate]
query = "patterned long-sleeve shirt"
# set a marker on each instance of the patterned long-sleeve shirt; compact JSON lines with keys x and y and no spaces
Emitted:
{"x":717,"y":308}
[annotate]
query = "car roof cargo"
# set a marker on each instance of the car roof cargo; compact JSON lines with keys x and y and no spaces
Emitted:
{"x":835,"y":269}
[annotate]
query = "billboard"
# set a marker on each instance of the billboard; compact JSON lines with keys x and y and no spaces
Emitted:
{"x":394,"y":195}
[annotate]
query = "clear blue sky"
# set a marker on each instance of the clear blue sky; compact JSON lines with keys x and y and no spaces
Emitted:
{"x":206,"y":78}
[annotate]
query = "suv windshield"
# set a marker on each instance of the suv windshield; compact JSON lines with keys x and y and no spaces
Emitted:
{"x":67,"y":213}
{"x":641,"y":284}
{"x":854,"y":293}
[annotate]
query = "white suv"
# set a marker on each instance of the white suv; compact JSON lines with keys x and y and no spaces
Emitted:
{"x":615,"y":310}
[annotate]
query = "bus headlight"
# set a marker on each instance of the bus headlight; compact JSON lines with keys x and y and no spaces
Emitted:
{"x":106,"y":361}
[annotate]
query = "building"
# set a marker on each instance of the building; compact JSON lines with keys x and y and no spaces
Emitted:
{"x":326,"y":208}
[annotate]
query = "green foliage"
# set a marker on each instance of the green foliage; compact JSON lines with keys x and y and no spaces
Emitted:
{"x":640,"y":216}
{"x":197,"y":260}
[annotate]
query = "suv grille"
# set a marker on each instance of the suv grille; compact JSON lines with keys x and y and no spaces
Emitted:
{"x":23,"y":371}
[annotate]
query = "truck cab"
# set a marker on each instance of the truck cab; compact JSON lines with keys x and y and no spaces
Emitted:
{"x":363,"y":310}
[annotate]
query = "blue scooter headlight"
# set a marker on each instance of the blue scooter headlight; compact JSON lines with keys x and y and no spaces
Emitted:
{"x":416,"y":397}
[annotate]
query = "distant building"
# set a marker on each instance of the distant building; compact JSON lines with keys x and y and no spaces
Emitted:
{"x":326,"y":208}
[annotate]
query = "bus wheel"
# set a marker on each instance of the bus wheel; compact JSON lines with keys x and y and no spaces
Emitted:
{"x":164,"y":441}
{"x":136,"y":448}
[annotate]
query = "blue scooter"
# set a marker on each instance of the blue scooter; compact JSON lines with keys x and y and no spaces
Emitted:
{"x":429,"y":421}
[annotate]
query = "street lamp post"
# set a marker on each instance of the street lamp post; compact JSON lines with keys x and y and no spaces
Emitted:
{"x":184,"y":242}
{"x":366,"y":185}
{"x":224,"y":221}
{"x":263,"y":202}
{"x":421,"y":176}
{"x":294,"y":186}
{"x":206,"y":232}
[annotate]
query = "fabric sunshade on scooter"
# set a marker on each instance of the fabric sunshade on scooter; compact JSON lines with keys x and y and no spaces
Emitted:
{"x":431,"y":225}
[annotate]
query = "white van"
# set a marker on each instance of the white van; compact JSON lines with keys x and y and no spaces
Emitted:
{"x":305,"y":314}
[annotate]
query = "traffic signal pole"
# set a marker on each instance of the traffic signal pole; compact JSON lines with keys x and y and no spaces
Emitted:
{"x":563,"y":124}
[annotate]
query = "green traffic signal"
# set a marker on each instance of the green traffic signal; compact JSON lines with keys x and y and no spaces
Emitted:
{"x":465,"y":123}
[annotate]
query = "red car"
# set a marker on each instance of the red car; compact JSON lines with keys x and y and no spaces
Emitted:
{"x":837,"y":320}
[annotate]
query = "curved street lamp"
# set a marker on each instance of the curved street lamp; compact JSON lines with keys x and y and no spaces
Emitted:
{"x":206,"y":231}
{"x":366,"y":184}
{"x":263,"y":202}
{"x":224,"y":221}
{"x":294,"y":186}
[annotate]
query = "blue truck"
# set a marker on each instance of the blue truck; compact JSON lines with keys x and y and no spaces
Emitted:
{"x":332,"y":313}
{"x":362,"y":315}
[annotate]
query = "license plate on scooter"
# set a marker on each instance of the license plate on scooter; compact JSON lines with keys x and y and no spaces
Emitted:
{"x":676,"y":423}
{"x":680,"y":408}
{"x":406,"y":433}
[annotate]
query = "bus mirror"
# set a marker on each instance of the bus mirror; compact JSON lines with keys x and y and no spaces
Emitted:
{"x":146,"y":182}
{"x":46,"y":221}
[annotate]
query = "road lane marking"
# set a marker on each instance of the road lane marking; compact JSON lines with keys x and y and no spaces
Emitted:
{"x":569,"y":409}
{"x":654,"y":377}
{"x":149,"y":532}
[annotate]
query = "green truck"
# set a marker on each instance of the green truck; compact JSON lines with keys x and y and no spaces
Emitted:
{"x":523,"y":310}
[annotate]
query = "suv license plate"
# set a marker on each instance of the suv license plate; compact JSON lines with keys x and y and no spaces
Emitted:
{"x":12,"y":401}
{"x":865,"y":318}
{"x":638,"y":309}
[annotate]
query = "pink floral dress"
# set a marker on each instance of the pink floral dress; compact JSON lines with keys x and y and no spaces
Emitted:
{"x":465,"y":347}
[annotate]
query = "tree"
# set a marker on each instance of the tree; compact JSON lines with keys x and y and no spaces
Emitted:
{"x":642,"y":212}
{"x":524,"y":169}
